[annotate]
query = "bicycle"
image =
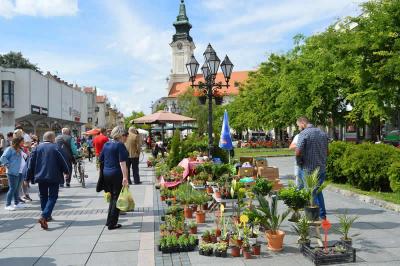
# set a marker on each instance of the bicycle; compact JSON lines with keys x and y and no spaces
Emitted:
{"x":79,"y":171}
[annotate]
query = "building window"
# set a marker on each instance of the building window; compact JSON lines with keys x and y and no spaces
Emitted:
{"x":7,"y":94}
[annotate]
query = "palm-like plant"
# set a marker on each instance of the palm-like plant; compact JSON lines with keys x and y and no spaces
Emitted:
{"x":302,"y":229}
{"x":269,"y":216}
{"x":345,"y":224}
{"x":312,"y":186}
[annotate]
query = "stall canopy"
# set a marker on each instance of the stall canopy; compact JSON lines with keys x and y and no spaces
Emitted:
{"x":162,"y":118}
{"x":93,"y":132}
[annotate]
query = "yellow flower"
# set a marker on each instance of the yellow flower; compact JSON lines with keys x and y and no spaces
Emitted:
{"x":222,"y":208}
{"x":244,"y":219}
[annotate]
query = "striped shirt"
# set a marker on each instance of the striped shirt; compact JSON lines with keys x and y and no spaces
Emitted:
{"x":313,"y":147}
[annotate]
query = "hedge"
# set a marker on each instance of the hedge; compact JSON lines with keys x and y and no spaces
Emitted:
{"x":365,"y":166}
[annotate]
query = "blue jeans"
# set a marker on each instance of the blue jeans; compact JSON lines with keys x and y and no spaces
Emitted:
{"x":318,"y":198}
{"x":48,"y":198}
{"x":14,"y":185}
{"x":299,"y":177}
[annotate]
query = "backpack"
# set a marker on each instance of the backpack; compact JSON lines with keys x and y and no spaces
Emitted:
{"x":64,"y":143}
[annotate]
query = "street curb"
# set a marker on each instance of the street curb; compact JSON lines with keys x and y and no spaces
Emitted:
{"x":364,"y":198}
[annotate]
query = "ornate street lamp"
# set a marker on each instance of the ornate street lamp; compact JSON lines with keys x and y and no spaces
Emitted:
{"x":210,"y":87}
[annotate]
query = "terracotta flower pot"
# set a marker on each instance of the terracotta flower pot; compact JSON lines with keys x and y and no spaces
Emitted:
{"x":256,"y":250}
{"x":209,"y":190}
{"x":162,"y":198}
{"x":188,"y":212}
{"x":218,"y":232}
{"x":194,"y":208}
{"x":275,"y":241}
{"x":247,"y":253}
{"x":193,"y":230}
{"x":218,"y":194}
{"x":200,"y":217}
{"x":235,"y":252}
{"x":237,"y":243}
{"x":205,"y":206}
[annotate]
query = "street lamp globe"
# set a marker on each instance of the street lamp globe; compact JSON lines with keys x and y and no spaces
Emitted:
{"x":207,"y":53}
{"x":192,"y":67}
{"x":227,"y":68}
{"x":213,"y":63}
{"x":206,"y":71}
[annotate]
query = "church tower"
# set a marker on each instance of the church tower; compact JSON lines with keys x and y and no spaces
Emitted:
{"x":182,"y":47}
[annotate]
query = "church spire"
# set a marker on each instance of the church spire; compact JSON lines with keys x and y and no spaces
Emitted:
{"x":182,"y":25}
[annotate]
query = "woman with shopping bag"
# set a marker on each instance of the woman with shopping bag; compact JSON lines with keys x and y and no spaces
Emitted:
{"x":115,"y":173}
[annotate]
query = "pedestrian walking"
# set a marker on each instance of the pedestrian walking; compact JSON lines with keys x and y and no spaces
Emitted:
{"x":134,"y":147}
{"x":47,"y":166}
{"x":311,"y":154}
{"x":67,"y":143}
{"x":98,"y":143}
{"x":3,"y":144}
{"x":9,"y":139}
{"x":113,"y":160}
{"x":89,"y":143}
{"x":11,"y":158}
{"x":298,"y":172}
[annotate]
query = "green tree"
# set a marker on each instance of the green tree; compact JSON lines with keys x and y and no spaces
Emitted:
{"x":16,"y":60}
{"x":134,"y":115}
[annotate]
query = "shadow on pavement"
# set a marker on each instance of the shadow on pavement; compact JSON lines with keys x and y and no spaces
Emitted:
{"x":10,"y":225}
{"x":26,"y":261}
{"x":356,"y":211}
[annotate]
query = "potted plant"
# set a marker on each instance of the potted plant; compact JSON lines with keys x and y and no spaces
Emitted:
{"x":184,"y":195}
{"x":201,"y":199}
{"x":202,"y":99}
{"x":206,"y":249}
{"x":224,"y":228}
{"x":238,"y":192}
{"x":295,"y":199}
{"x":206,"y":236}
{"x":345,"y":224}
{"x":235,"y":251}
{"x":262,"y":187}
{"x":237,"y":235}
{"x":192,"y":242}
{"x":246,"y":248}
{"x":302,"y":229}
{"x":312,"y":188}
{"x":192,"y":227}
{"x":271,"y":220}
{"x":213,"y":236}
{"x":221,"y":250}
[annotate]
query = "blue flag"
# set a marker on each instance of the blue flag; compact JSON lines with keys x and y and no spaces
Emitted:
{"x":225,"y":141}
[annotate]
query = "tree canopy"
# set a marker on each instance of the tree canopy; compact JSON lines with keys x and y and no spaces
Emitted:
{"x":351,"y":71}
{"x":16,"y":60}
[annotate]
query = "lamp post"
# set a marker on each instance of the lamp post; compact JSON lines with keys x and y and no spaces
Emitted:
{"x":210,"y":86}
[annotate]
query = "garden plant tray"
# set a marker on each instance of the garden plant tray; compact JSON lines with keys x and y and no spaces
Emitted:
{"x":318,"y":256}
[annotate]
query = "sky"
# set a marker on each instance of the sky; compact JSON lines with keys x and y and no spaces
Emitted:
{"x":122,"y":46}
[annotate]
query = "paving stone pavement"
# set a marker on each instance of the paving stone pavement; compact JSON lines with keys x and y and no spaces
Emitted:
{"x":378,"y":243}
{"x":78,"y":235}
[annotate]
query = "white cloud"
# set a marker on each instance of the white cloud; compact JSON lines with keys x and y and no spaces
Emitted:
{"x":149,"y":49}
{"x":42,"y":8}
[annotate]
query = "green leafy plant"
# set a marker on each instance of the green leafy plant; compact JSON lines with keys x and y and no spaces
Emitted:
{"x":302,"y":229}
{"x":262,"y":187}
{"x":394,"y":176}
{"x":270,"y":219}
{"x":192,"y":224}
{"x":312,"y":187}
{"x":345,"y":224}
{"x":294,"y":198}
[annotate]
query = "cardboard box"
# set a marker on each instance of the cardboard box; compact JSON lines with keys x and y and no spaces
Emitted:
{"x":247,"y":159}
{"x":246,"y":171}
{"x":261,"y":162}
{"x":268,"y":172}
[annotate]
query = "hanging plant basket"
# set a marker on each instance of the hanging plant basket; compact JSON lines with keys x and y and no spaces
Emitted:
{"x":219,"y":100}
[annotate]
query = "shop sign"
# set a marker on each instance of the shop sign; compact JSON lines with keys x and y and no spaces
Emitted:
{"x":37,"y":110}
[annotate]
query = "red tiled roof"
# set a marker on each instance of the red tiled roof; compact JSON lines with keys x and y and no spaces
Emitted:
{"x":101,"y":99}
{"x":237,"y":77}
{"x":88,"y":89}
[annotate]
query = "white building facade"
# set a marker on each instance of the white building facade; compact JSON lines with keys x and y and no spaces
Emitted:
{"x":40,"y":103}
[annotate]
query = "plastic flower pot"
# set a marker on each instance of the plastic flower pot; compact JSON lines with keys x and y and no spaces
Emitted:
{"x":200,"y":217}
{"x":214,"y":239}
{"x":275,"y":241}
{"x":348,"y":242}
{"x":312,"y":213}
{"x":193,"y":230}
{"x":247,"y":253}
{"x":202,"y":99}
{"x":188,"y":212}
{"x":194,"y":208}
{"x":235,"y":251}
{"x":205,"y":206}
{"x":218,"y":100}
{"x":256,"y":249}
